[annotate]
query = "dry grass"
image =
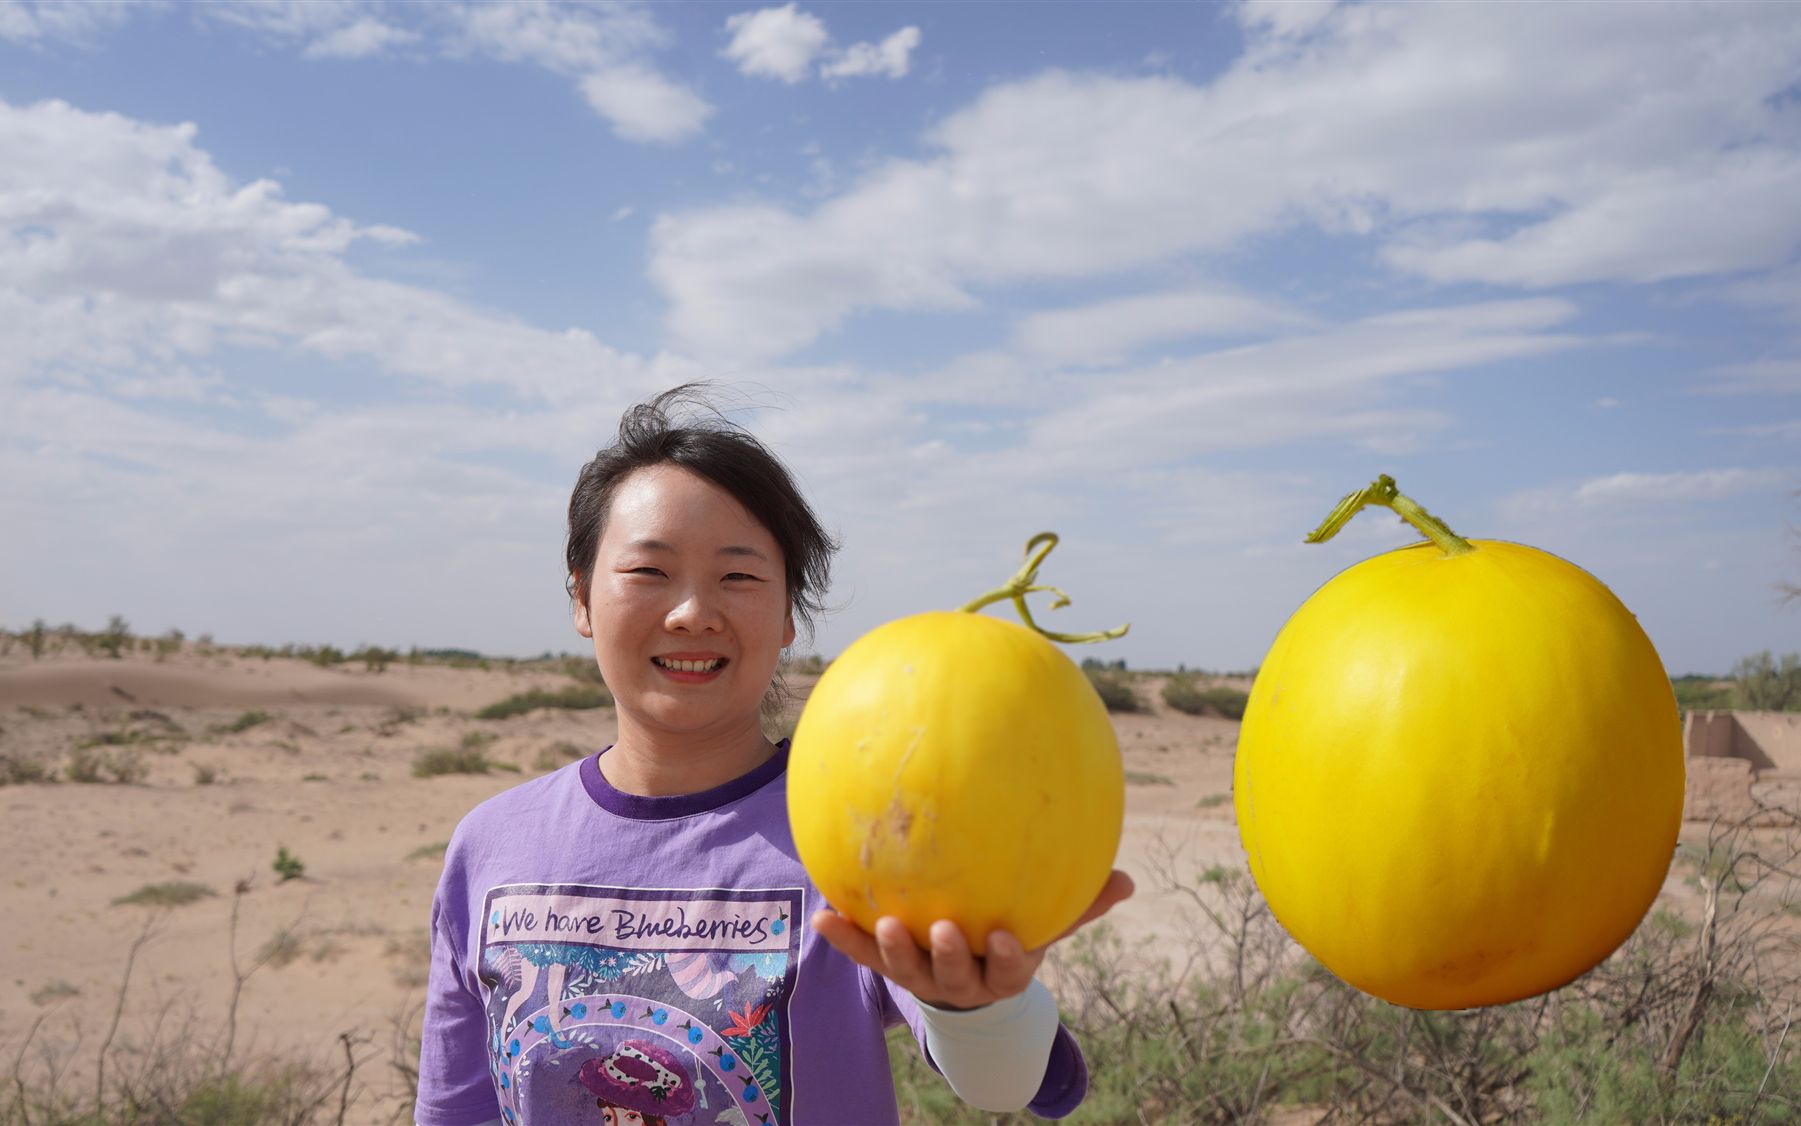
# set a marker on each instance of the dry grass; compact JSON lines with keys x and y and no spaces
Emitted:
{"x":1687,"y":1022}
{"x":177,"y":893}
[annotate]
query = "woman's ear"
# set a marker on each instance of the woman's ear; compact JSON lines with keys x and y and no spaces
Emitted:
{"x":579,"y":595}
{"x":788,"y":629}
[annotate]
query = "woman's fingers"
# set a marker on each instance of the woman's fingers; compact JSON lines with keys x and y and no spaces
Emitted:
{"x":948,"y":973}
{"x":1009,"y":967}
{"x":1118,"y":888}
{"x":954,"y":969}
{"x":848,"y":939}
{"x":905,"y":961}
{"x":890,"y":951}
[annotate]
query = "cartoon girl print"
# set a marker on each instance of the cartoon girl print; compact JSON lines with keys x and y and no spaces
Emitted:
{"x":639,"y":1084}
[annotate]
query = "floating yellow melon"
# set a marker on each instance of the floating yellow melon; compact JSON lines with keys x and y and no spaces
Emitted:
{"x":954,"y":766}
{"x":1460,"y":775}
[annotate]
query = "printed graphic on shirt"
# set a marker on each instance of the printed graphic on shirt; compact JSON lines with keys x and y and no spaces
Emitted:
{"x":659,"y":1007}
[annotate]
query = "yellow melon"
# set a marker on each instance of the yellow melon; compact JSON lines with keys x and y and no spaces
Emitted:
{"x":951,"y":765}
{"x":1460,"y":776}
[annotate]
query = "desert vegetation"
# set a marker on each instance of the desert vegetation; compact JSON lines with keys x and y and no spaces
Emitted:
{"x":576,"y":698}
{"x":1185,"y":695}
{"x":1207,"y":1013}
{"x":1689,"y":1021}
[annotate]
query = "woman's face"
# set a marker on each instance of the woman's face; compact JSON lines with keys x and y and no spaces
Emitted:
{"x":620,"y":1116}
{"x":688,"y":604}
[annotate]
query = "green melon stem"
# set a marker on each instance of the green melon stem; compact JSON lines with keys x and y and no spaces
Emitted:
{"x":1025,"y":581}
{"x":1383,"y":492}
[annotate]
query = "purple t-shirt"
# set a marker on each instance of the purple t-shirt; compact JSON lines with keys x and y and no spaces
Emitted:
{"x":654,"y":953}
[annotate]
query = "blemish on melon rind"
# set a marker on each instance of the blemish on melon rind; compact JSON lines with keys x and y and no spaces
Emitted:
{"x":897,"y":820}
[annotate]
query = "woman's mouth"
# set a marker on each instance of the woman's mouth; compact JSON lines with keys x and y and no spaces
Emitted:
{"x":691,"y":669}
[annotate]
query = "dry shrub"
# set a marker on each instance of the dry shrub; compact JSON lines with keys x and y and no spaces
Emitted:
{"x":1182,"y":694}
{"x":576,"y":697}
{"x":556,"y":755}
{"x":87,"y":765}
{"x":178,"y":1069}
{"x":1686,"y":1022}
{"x":1115,"y":689}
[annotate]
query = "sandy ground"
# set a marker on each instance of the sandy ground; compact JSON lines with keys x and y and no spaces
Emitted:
{"x":328,"y":776}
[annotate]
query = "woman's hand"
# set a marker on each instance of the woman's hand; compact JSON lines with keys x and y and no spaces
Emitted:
{"x":948,"y":976}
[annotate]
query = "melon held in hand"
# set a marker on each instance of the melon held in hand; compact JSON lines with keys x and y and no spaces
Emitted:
{"x":951,"y":765}
{"x":1460,"y":775}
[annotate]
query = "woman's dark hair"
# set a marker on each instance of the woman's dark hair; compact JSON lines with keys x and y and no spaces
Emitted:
{"x":725,"y":455}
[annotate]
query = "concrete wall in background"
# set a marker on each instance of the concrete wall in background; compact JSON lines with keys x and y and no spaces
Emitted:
{"x":1709,"y":734}
{"x":1768,"y":740}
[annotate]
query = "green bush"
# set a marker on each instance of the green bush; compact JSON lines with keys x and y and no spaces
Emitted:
{"x":325,"y":656}
{"x":582,"y":670}
{"x":1148,"y":778}
{"x":1763,"y":684}
{"x":1115,"y":689}
{"x":243,"y":723}
{"x":175,"y":893}
{"x":556,"y":755}
{"x":17,"y":770}
{"x":1700,"y":694}
{"x":84,"y":765}
{"x":287,"y":865}
{"x":446,"y":760}
{"x":116,"y":637}
{"x":375,"y":658}
{"x":1182,"y":694}
{"x":574,"y":697}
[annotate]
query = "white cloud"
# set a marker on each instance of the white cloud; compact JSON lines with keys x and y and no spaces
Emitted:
{"x":1470,"y":142}
{"x":887,"y":59}
{"x":142,"y":289}
{"x":1607,"y":236}
{"x":1776,"y":375}
{"x":124,"y":249}
{"x":776,"y":43}
{"x":1779,"y":290}
{"x":1707,"y":484}
{"x":1631,"y":489}
{"x":784,"y":43}
{"x":1787,"y":431}
{"x":361,"y":39}
{"x":78,"y":22}
{"x":1108,"y":331}
{"x":338,"y":29}
{"x":1329,"y":384}
{"x":1284,"y":18}
{"x":607,"y":49}
{"x":643,"y":105}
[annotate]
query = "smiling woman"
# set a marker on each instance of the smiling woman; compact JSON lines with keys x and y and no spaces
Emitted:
{"x":617,"y":941}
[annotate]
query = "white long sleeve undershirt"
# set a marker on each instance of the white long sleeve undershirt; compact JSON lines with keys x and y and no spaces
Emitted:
{"x":994,"y":1057}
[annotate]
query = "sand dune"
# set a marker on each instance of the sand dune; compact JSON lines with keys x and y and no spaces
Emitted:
{"x":325,"y":770}
{"x":227,"y":683}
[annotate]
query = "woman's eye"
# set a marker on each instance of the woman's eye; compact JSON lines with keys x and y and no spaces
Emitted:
{"x":645,"y":571}
{"x":740,"y":576}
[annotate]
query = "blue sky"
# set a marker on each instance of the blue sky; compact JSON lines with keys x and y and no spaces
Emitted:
{"x":310,"y":312}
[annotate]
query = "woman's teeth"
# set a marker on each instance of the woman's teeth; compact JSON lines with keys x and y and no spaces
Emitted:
{"x":688,"y":666}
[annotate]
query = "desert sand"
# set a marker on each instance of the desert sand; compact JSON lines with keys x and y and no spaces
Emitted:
{"x":328,"y":776}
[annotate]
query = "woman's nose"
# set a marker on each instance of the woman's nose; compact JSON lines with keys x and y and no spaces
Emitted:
{"x":694,"y":613}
